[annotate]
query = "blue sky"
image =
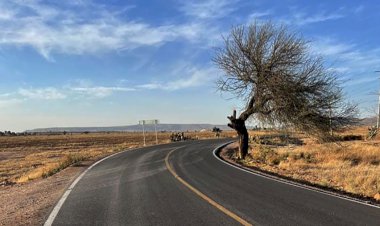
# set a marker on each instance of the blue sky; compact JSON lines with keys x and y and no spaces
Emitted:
{"x":109,"y":62}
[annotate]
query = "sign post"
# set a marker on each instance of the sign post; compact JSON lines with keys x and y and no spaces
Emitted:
{"x":142,"y":122}
{"x":149,"y":122}
{"x":155,"y":130}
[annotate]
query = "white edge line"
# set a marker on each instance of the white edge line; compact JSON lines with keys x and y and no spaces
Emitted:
{"x":284,"y":181}
{"x":60,"y":203}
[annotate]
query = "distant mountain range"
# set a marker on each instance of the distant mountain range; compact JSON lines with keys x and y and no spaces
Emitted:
{"x":132,"y":128}
{"x":368,"y":121}
{"x":160,"y":127}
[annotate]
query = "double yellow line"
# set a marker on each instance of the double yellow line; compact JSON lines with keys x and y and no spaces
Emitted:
{"x":203,"y":196}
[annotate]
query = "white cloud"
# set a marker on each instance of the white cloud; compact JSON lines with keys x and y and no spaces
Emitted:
{"x":300,"y":17}
{"x":329,"y":47}
{"x":349,"y":55}
{"x":355,"y":64}
{"x":208,"y":8}
{"x":60,"y":93}
{"x":194,"y":77}
{"x":49,"y":93}
{"x":258,"y":14}
{"x":339,"y":69}
{"x":100,"y":91}
{"x":84,"y":88}
{"x":88,"y":29}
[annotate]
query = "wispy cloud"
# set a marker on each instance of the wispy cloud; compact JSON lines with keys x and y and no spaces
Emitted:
{"x":60,"y":93}
{"x":49,"y":93}
{"x":348,"y":54}
{"x":193,"y":77}
{"x":329,"y":47}
{"x":209,"y":8}
{"x":258,"y":15}
{"x":359,"y":9}
{"x":356,"y":64}
{"x":84,"y":29}
{"x":100,"y":91}
{"x":339,"y":69}
{"x":301,"y":17}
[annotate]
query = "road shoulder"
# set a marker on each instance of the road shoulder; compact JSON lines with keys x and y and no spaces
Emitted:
{"x":225,"y":153}
{"x":31,"y":203}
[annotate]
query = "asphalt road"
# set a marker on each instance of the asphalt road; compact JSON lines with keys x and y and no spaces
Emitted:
{"x":136,"y":188}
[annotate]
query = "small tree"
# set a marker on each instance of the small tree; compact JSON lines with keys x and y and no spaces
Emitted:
{"x":281,"y":81}
{"x":216,"y":129}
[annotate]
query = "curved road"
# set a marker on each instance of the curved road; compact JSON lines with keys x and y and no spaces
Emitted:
{"x":136,"y":188}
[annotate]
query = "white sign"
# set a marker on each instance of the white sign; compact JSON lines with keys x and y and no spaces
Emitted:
{"x":148,"y":122}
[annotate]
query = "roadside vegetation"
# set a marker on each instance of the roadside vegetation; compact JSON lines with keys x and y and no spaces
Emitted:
{"x":282,"y":82}
{"x":350,"y":163}
{"x":25,"y":158}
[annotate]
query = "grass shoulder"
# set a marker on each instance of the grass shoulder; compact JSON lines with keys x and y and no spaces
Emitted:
{"x":350,"y":165}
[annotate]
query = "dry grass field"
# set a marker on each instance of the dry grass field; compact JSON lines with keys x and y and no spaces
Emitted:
{"x":25,"y":158}
{"x":352,"y":166}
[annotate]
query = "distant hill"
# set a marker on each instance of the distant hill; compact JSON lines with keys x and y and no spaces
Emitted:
{"x":160,"y":127}
{"x":368,"y":121}
{"x":132,"y":128}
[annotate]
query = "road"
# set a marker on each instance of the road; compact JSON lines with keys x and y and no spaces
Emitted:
{"x":136,"y":188}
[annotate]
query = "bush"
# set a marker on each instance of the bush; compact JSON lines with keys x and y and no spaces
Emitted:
{"x":267,"y":155}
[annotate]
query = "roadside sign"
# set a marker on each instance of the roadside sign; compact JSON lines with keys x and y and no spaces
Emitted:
{"x":149,"y":122}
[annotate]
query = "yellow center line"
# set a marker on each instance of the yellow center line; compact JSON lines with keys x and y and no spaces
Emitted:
{"x":203,"y":196}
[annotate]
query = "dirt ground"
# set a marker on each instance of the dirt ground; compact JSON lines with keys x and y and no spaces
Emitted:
{"x":31,"y":203}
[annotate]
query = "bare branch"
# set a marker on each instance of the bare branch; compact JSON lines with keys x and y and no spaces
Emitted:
{"x":272,"y":69}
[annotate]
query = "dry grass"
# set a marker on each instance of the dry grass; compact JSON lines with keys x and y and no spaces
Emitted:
{"x":352,"y":166}
{"x":26,"y":158}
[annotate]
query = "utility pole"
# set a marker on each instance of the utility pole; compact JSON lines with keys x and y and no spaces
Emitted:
{"x":378,"y":110}
{"x":378,"y":113}
{"x":330,"y":115}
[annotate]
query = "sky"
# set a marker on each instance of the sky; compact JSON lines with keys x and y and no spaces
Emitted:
{"x":114,"y":62}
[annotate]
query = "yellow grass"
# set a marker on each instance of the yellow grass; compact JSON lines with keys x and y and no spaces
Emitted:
{"x":25,"y":158}
{"x":352,"y":166}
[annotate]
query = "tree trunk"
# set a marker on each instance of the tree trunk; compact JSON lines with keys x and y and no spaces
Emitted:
{"x":243,"y":142}
{"x":239,"y":126}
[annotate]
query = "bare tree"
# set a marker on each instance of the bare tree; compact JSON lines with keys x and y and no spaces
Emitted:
{"x":272,"y":69}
